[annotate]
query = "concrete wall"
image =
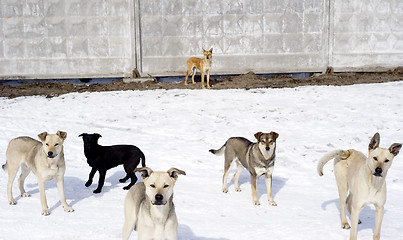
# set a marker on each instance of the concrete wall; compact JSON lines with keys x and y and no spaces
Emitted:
{"x":110,"y":38}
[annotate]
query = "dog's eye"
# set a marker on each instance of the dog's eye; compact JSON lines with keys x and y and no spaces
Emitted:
{"x":387,"y":160}
{"x":375,"y":158}
{"x":152,"y":185}
{"x":56,"y":144}
{"x":165,"y":186}
{"x":47,"y":144}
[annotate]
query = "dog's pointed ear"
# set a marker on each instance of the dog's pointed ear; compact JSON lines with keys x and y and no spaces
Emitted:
{"x":211,"y":50}
{"x":174,"y":173}
{"x":258,"y":135}
{"x":145,"y":172}
{"x":62,"y":135}
{"x":374,"y":143}
{"x":275,"y":135}
{"x":98,"y":135}
{"x":42,"y":136}
{"x":395,"y":148}
{"x":82,"y":134}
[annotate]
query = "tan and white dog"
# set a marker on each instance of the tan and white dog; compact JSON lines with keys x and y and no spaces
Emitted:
{"x":45,"y":159}
{"x":203,"y":64}
{"x":149,"y":207}
{"x":258,"y":158}
{"x":363,"y":179}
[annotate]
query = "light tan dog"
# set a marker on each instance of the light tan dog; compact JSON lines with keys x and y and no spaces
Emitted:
{"x":45,"y":159}
{"x":258,"y":158}
{"x":149,"y":207}
{"x":203,"y":64}
{"x":363,"y":178}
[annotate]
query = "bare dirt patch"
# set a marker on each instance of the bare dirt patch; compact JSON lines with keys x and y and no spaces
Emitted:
{"x":244,"y":81}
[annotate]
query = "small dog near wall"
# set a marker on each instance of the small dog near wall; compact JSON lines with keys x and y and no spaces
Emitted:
{"x":203,"y":64}
{"x":258,"y":158}
{"x":361,"y":181}
{"x":149,"y":207}
{"x":44,"y":158}
{"x":103,"y":158}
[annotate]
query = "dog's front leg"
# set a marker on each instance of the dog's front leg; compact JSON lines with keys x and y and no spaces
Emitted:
{"x":91,"y":176}
{"x":208,"y":78}
{"x":45,"y":208}
{"x":378,"y":221}
{"x":268,"y":179}
{"x":354,"y":218}
{"x":202,"y":78}
{"x":101,"y":181}
{"x":60,"y":187}
{"x":254,"y":191}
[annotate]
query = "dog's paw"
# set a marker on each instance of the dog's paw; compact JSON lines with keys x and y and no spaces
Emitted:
{"x":257,"y":203}
{"x":68,"y":209}
{"x":87,"y":184}
{"x":25,"y":195}
{"x":345,"y":225}
{"x":238,"y":189}
{"x":224,"y":190}
{"x":45,"y":212}
{"x":127,"y":187}
{"x":12,"y":202}
{"x":122,"y":180}
{"x":272,"y":203}
{"x":97,"y":191}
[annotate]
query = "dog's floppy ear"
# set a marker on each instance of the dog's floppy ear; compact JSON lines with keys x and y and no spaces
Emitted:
{"x":275,"y":135}
{"x":174,"y":173}
{"x":395,"y":148}
{"x":42,"y":136}
{"x":83,"y":134}
{"x":62,"y":134}
{"x":145,"y":172}
{"x":374,"y":143}
{"x":98,"y":135}
{"x":257,"y":135}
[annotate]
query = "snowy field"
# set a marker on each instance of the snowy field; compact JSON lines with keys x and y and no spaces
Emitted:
{"x":176,"y":128}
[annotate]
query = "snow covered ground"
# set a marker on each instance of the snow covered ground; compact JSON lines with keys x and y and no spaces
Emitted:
{"x":176,"y":128}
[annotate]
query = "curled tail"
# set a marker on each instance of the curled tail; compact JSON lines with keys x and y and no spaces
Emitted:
{"x":219,"y":151}
{"x":342,"y":154}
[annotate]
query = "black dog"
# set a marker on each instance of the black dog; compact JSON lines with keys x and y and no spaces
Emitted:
{"x":103,"y":158}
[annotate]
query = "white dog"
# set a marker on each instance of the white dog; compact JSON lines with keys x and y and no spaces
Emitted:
{"x":149,"y":208}
{"x":363,"y":178}
{"x":45,"y":159}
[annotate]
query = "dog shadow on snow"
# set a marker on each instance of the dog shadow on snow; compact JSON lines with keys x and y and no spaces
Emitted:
{"x":75,"y":189}
{"x":277,"y":184}
{"x":367,"y":215}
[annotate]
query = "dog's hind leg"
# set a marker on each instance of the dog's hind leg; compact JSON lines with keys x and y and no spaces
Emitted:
{"x":133,"y":177}
{"x":238,"y":172}
{"x":340,"y":172}
{"x":24,"y":173}
{"x":193,"y":74}
{"x":12,"y":172}
{"x":227,"y":166}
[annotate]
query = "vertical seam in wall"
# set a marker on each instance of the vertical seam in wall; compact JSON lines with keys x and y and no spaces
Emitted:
{"x":330,"y":35}
{"x":136,"y":28}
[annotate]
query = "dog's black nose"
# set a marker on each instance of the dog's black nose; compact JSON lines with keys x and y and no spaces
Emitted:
{"x":267,"y":148}
{"x":159,"y":197}
{"x":50,"y":154}
{"x":378,"y":170}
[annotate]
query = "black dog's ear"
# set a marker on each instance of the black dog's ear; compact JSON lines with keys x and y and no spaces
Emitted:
{"x":374,"y":143}
{"x":395,"y":148}
{"x":82,"y":134}
{"x":145,"y":172}
{"x":98,"y":135}
{"x":174,"y":173}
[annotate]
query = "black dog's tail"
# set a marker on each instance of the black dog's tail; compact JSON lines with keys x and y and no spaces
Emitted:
{"x":143,"y":159}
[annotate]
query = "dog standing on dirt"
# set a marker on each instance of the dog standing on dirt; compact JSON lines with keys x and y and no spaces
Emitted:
{"x":45,"y":159}
{"x":203,"y":64}
{"x":258,"y":158}
{"x":363,"y":179}
{"x":149,"y":207}
{"x":103,"y":158}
